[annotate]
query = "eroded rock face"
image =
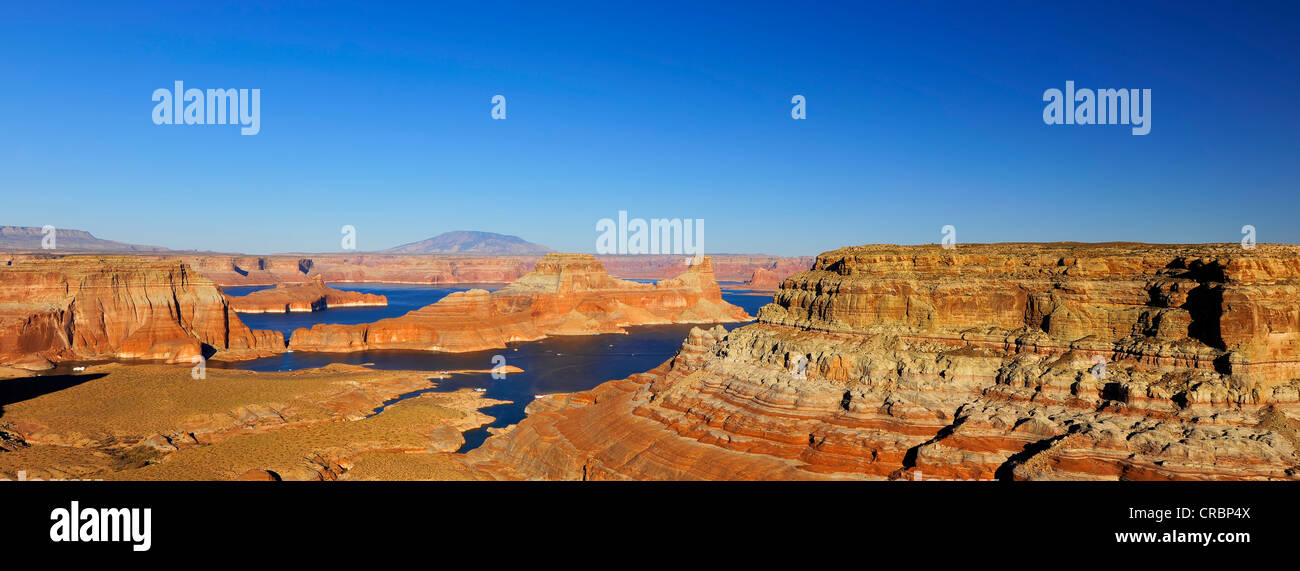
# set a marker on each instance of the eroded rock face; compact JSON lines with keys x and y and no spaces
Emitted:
{"x":313,"y":295}
{"x":763,"y":279}
{"x":566,"y":294}
{"x":117,"y":307}
{"x":1027,"y":361}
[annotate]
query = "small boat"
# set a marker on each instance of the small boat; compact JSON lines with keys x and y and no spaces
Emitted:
{"x":539,"y":396}
{"x":78,"y":369}
{"x":480,"y":390}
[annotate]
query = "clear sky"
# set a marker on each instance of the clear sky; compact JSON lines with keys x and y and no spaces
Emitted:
{"x":919,"y":115}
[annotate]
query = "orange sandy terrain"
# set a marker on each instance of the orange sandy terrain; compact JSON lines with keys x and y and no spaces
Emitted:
{"x":148,"y":422}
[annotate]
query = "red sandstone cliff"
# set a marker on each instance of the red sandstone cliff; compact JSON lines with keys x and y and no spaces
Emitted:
{"x":117,"y":307}
{"x":566,"y":294}
{"x":313,"y":295}
{"x":763,"y":279}
{"x":1025,"y":361}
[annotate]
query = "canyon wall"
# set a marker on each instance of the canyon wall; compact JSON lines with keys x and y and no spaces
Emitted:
{"x":764,"y":280}
{"x":1006,"y":361}
{"x":117,"y":307}
{"x":566,"y":294}
{"x":244,"y":270}
{"x":309,"y":296}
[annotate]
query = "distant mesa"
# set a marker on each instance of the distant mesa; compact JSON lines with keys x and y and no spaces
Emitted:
{"x":313,"y":295}
{"x":29,"y":238}
{"x":468,"y":242}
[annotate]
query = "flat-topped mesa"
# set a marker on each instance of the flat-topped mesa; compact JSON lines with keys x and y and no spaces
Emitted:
{"x":566,"y":294}
{"x":1011,"y":361}
{"x":118,"y":307}
{"x":313,"y":295}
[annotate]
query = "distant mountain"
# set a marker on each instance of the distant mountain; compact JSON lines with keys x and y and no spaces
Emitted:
{"x":29,"y":238}
{"x":467,"y":242}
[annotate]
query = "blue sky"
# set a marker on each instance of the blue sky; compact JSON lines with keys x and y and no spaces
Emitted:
{"x":918,"y":115}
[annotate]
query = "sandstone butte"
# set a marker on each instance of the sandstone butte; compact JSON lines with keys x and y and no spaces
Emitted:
{"x":1007,"y":361}
{"x":240,"y":270}
{"x":312,"y":295}
{"x":566,"y":294}
{"x":763,"y":279}
{"x":117,"y":307}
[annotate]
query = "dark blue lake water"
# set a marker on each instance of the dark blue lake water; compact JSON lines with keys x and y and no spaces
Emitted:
{"x":553,"y":365}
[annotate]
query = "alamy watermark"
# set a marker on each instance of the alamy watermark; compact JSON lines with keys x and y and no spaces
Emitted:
{"x":657,"y":236}
{"x":1100,"y":107}
{"x":949,"y":237}
{"x":1248,"y":237}
{"x":349,"y":240}
{"x":499,"y":367}
{"x":214,"y":107}
{"x":49,"y":237}
{"x":498,"y":107}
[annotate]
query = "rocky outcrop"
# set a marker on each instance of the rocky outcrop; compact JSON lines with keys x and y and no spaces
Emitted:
{"x":117,"y":307}
{"x":306,"y":297}
{"x":763,"y":280}
{"x":566,"y":294}
{"x":1009,"y":361}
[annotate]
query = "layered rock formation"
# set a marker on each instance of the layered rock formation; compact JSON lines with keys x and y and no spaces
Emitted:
{"x":240,"y":270}
{"x":1024,"y":361}
{"x":311,"y":296}
{"x":764,"y":280}
{"x":566,"y":294}
{"x":118,"y":307}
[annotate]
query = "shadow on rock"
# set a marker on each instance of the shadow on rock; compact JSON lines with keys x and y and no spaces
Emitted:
{"x":26,"y":388}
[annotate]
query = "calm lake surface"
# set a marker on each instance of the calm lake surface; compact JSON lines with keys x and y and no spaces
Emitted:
{"x":552,"y":365}
{"x":402,"y":299}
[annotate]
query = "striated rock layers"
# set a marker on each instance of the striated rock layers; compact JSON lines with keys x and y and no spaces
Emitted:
{"x":1006,"y":361}
{"x":566,"y":294}
{"x":118,"y":307}
{"x":306,"y":297}
{"x":460,"y":268}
